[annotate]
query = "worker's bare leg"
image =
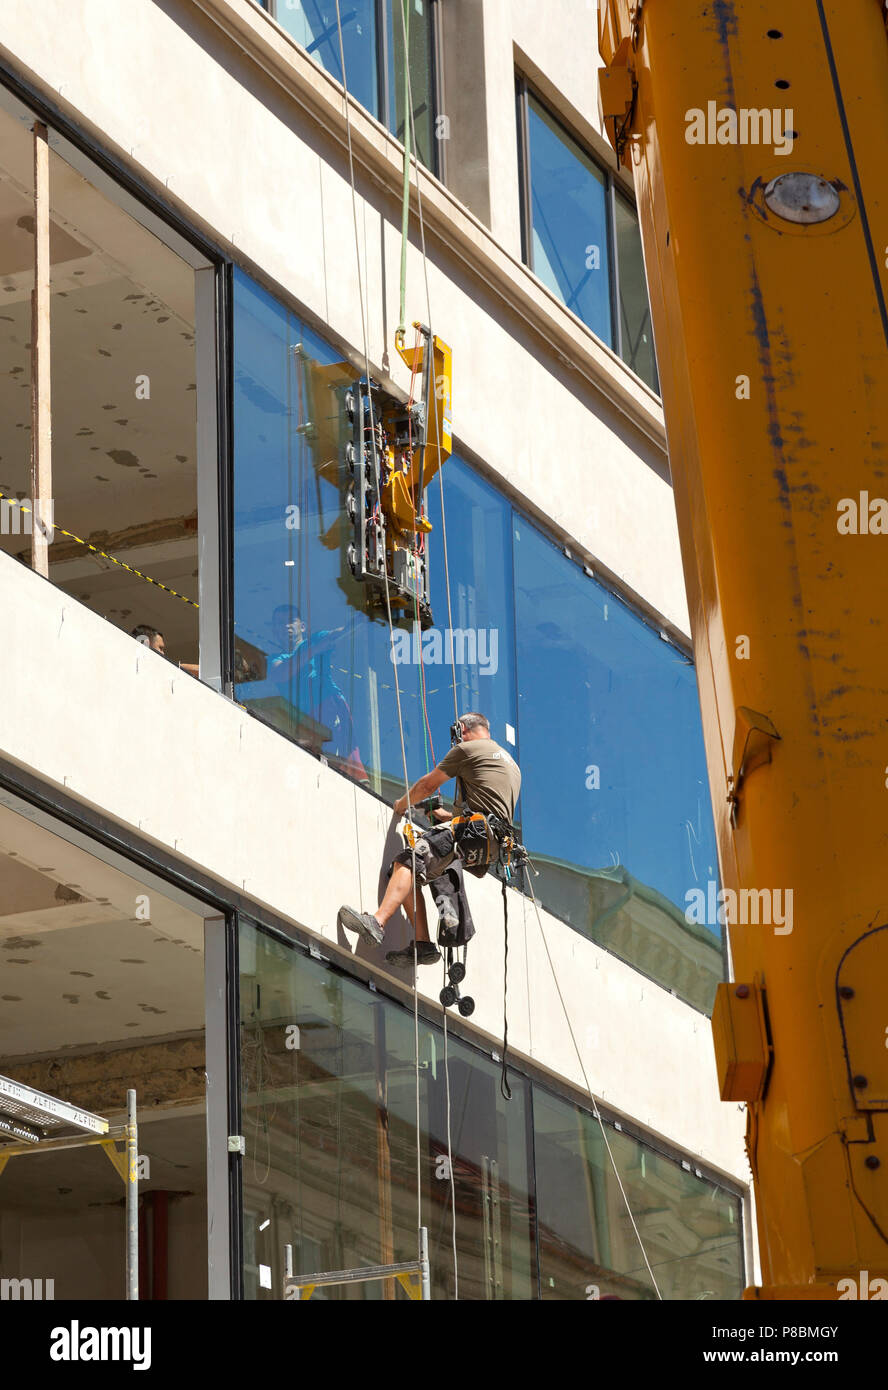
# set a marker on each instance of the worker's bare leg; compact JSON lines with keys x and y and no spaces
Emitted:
{"x":399,"y":893}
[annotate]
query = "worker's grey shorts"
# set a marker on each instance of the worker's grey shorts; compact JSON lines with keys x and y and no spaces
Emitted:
{"x":435,"y":851}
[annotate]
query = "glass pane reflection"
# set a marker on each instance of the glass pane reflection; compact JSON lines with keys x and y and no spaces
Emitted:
{"x":636,"y":331}
{"x":569,"y":222}
{"x":690,"y":1229}
{"x":616,"y":809}
{"x":329,"y":1116}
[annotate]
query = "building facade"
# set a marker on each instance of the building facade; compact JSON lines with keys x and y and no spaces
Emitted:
{"x":223,"y":228}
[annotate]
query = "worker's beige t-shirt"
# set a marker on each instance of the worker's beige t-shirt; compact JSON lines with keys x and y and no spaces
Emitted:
{"x":489,"y":778}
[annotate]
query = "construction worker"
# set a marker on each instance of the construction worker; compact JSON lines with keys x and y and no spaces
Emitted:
{"x":488,"y":781}
{"x":154,"y":640}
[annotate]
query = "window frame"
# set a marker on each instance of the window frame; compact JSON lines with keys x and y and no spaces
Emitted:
{"x":384,"y":78}
{"x":612,"y":191}
{"x":619,"y":192}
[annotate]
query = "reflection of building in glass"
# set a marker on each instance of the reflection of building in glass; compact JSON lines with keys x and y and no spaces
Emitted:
{"x":334,"y":1177}
{"x":182,"y":816}
{"x":635,"y":922}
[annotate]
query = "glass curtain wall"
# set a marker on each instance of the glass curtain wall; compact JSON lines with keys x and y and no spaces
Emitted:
{"x":690,"y":1228}
{"x":615,"y":805}
{"x":568,"y":219}
{"x":330,"y":1121}
{"x":581,"y":237}
{"x":616,"y":809}
{"x":309,"y":658}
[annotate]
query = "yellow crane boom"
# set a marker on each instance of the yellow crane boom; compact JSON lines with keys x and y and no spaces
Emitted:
{"x":756,"y":135}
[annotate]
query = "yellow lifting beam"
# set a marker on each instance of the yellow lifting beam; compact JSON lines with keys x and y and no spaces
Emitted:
{"x":755,"y":133}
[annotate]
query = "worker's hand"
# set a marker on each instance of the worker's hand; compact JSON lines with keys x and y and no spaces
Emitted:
{"x":441,"y":813}
{"x":400,"y":806}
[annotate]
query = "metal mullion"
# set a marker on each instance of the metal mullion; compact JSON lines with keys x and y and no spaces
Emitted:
{"x":225,"y":454}
{"x":436,"y":89}
{"x":613,"y":263}
{"x":384,"y":78}
{"x":235,"y":1117}
{"x":532,"y":1187}
{"x":524,"y":193}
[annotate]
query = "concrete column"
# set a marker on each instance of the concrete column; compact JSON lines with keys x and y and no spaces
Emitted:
{"x":478,"y":100}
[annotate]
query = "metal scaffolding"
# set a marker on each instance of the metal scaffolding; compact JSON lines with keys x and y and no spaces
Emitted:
{"x":26,"y":1115}
{"x":412,"y":1275}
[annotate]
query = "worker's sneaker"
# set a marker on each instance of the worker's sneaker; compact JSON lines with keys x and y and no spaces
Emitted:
{"x":364,"y":923}
{"x":426,"y":954}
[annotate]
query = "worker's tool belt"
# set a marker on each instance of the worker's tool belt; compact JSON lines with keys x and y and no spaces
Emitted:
{"x":477,"y":837}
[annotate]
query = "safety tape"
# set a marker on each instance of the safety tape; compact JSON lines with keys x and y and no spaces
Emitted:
{"x":105,"y":556}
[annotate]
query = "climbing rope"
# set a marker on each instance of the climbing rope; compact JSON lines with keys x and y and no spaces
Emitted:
{"x":388,"y":606}
{"x":405,"y":202}
{"x":410,"y":126}
{"x":409,"y":123}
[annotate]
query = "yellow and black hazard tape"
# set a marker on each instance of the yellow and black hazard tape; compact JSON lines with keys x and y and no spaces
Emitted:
{"x":14,"y":501}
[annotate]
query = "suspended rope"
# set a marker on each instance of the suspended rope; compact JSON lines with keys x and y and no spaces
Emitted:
{"x":504,"y":1084}
{"x":388,"y":607}
{"x":425,"y":271}
{"x":410,"y":130}
{"x":596,"y":1112}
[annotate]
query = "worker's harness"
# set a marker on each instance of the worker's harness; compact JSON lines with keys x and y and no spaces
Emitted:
{"x":481,"y":842}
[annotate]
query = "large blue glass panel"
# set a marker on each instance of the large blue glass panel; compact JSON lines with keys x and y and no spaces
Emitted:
{"x":616,"y":810}
{"x":569,"y":222}
{"x":310,"y":658}
{"x":479,"y":551}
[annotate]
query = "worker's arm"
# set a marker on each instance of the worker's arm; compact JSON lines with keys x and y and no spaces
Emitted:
{"x":421,"y":789}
